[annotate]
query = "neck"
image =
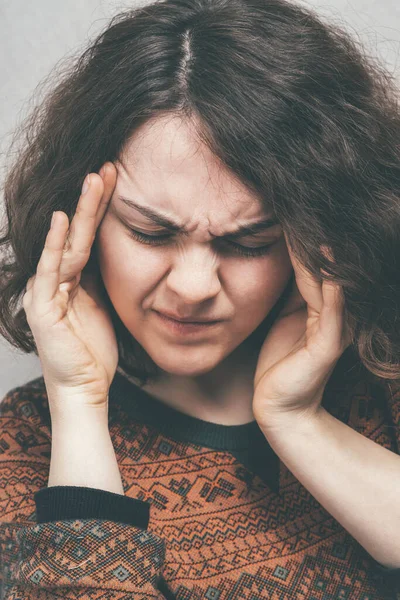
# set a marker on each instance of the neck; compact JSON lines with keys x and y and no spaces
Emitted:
{"x":223,"y":395}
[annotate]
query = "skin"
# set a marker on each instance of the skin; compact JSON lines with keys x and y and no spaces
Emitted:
{"x":78,"y":350}
{"x":210,"y":375}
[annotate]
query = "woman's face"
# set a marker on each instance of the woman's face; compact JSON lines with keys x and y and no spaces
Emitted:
{"x":198,"y":273}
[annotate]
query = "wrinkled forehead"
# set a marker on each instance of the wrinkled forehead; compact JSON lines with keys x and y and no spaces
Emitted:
{"x":164,"y":166}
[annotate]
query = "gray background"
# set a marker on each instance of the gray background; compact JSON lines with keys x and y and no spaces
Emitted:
{"x":34,"y":37}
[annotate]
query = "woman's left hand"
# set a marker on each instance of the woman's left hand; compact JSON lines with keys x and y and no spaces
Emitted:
{"x":300,"y":351}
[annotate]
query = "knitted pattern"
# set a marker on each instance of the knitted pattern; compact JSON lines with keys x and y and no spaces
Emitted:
{"x":209,"y":512}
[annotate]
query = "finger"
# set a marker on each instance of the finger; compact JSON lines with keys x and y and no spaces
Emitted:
{"x":109,"y":180}
{"x":82,"y":230}
{"x":28,"y":291}
{"x":335,"y":303}
{"x":333,"y":295}
{"x":47,"y":279}
{"x":29,"y":283}
{"x":332,"y":321}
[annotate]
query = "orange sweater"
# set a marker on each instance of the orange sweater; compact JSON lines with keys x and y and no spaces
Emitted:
{"x":209,"y":512}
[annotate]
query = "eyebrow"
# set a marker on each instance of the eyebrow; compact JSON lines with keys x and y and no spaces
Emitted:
{"x":162,"y":220}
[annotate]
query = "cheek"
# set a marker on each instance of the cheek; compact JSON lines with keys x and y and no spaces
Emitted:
{"x":125,"y":265}
{"x":258,"y":284}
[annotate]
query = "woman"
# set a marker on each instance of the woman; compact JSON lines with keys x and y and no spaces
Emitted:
{"x":216,"y":315}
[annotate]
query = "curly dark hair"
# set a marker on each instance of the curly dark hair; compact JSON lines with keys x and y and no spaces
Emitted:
{"x":294,"y":108}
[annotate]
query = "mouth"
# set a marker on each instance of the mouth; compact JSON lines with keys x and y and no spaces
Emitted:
{"x":185,"y":326}
{"x":186,"y":319}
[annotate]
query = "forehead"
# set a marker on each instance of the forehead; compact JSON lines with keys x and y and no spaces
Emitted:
{"x":164,"y":166}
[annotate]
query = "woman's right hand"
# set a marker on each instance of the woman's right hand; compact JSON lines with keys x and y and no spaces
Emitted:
{"x":73,"y":331}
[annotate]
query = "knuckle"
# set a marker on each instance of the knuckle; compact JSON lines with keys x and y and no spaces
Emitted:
{"x":84,"y":251}
{"x":68,"y":243}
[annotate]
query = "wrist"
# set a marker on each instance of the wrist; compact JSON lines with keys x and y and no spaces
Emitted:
{"x":82,"y":452}
{"x":301,"y":421}
{"x":69,"y":411}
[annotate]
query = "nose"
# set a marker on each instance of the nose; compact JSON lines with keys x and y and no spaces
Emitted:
{"x":194,"y":277}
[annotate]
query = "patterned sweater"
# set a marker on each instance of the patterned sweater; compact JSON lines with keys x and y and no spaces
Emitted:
{"x":209,"y":512}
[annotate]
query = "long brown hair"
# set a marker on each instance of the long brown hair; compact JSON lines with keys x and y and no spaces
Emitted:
{"x":291,"y":105}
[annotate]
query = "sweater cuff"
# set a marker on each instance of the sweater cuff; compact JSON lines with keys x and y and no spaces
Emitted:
{"x":61,"y":502}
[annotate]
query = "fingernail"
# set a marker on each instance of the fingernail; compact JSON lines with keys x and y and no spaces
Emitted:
{"x":86,"y":184}
{"x":102,"y":171}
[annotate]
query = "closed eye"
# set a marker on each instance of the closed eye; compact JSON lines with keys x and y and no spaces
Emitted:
{"x":158,"y":240}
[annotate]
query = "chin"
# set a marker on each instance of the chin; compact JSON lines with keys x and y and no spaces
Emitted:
{"x":188,"y":365}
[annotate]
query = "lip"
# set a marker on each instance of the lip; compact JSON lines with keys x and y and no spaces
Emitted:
{"x":186,"y":327}
{"x":185,"y":320}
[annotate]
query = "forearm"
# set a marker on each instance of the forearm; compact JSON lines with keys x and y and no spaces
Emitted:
{"x":355,"y":479}
{"x":82,"y":453}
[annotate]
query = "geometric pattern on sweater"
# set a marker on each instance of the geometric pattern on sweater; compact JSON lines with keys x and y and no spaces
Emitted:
{"x":78,"y":559}
{"x":82,"y":555}
{"x":217,"y":529}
